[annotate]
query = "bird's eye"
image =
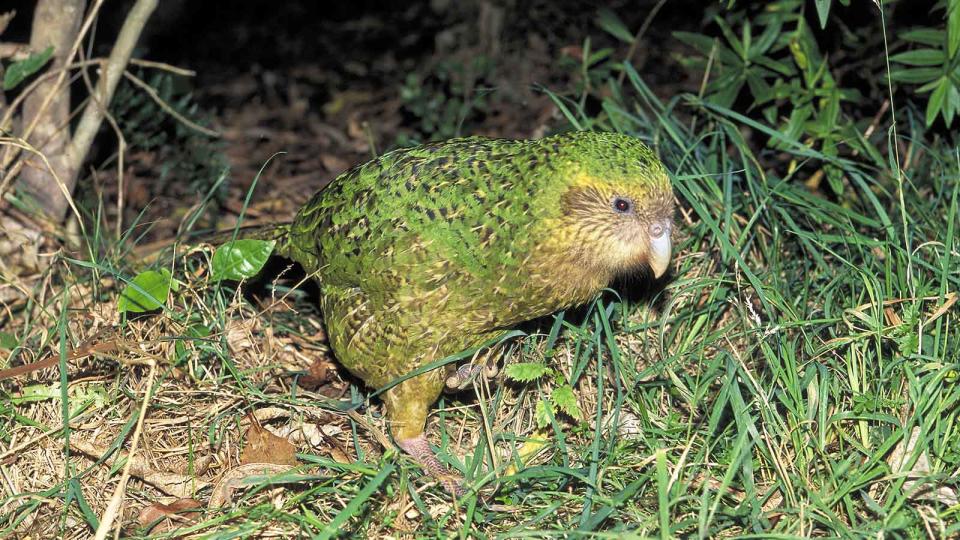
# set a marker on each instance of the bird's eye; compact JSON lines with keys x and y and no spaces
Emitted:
{"x":622,"y":205}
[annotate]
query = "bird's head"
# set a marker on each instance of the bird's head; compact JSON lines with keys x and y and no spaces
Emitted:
{"x":616,"y":206}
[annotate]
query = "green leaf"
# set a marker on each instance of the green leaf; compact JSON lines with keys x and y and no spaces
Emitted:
{"x":767,"y":39}
{"x":747,"y":39}
{"x":953,"y":27}
{"x":806,"y":52}
{"x":926,"y":36}
{"x":703,"y":44}
{"x":240,"y":259}
{"x":18,"y":71}
{"x":566,"y":400}
{"x":526,"y":371}
{"x":915,"y":75}
{"x":834,"y":175}
{"x":95,"y":394}
{"x":146,"y":292}
{"x":197,"y":331}
{"x":823,"y":10}
{"x":593,"y":59}
{"x":543,"y":412}
{"x":8,"y":341}
{"x":774,"y":65}
{"x":708,"y":46}
{"x":936,"y":102}
{"x":732,"y":39}
{"x":799,"y":56}
{"x":930,"y":86}
{"x":35,"y":393}
{"x":794,"y":127}
{"x":727,"y":94}
{"x":951,"y":104}
{"x":759,"y":88}
{"x":609,"y":22}
{"x":920,"y":57}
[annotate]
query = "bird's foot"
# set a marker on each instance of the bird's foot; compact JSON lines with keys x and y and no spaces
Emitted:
{"x":465,"y":374}
{"x":419,"y":449}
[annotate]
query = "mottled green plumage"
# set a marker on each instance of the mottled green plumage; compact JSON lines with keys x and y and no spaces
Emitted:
{"x":427,"y":251}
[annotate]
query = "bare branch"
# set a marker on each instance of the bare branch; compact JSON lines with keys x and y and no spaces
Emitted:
{"x":152,"y":92}
{"x":117,"y":62}
{"x":14,"y":51}
{"x":65,"y":154}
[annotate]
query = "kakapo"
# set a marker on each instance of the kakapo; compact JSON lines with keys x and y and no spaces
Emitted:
{"x":428,"y":251}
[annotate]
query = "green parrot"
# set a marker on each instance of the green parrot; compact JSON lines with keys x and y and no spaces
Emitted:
{"x":427,"y":251}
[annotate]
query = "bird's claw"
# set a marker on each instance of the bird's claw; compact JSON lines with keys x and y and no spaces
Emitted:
{"x":465,"y":374}
{"x":454,"y":485}
{"x":419,"y":449}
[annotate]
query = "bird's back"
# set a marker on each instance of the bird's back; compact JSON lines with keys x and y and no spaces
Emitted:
{"x":420,"y":217}
{"x":463,"y":227}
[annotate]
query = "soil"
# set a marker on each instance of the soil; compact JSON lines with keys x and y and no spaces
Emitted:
{"x":306,"y":91}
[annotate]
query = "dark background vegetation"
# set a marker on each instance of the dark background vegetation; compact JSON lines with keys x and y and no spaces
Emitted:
{"x":332,"y":84}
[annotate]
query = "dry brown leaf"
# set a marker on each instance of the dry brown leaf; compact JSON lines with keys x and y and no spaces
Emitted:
{"x":915,"y":487}
{"x":334,"y":163}
{"x":265,"y":414}
{"x":572,"y":51}
{"x":19,"y":246}
{"x":240,"y":335}
{"x":172,"y":514}
{"x":338,"y":455}
{"x":337,"y":451}
{"x":233,"y":479}
{"x":320,"y":372}
{"x":176,"y":485}
{"x":356,"y":128}
{"x":628,"y":425}
{"x":312,"y":434}
{"x":265,"y":447}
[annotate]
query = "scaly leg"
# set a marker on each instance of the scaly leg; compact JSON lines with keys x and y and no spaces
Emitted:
{"x":407,"y":407}
{"x":419,"y":449}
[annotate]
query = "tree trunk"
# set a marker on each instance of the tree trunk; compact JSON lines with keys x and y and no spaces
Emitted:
{"x":56,"y":23}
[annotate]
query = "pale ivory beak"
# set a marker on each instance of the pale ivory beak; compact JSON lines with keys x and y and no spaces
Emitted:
{"x":660,"y":247}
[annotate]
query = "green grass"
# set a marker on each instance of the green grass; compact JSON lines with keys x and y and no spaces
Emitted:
{"x":802,"y":339}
